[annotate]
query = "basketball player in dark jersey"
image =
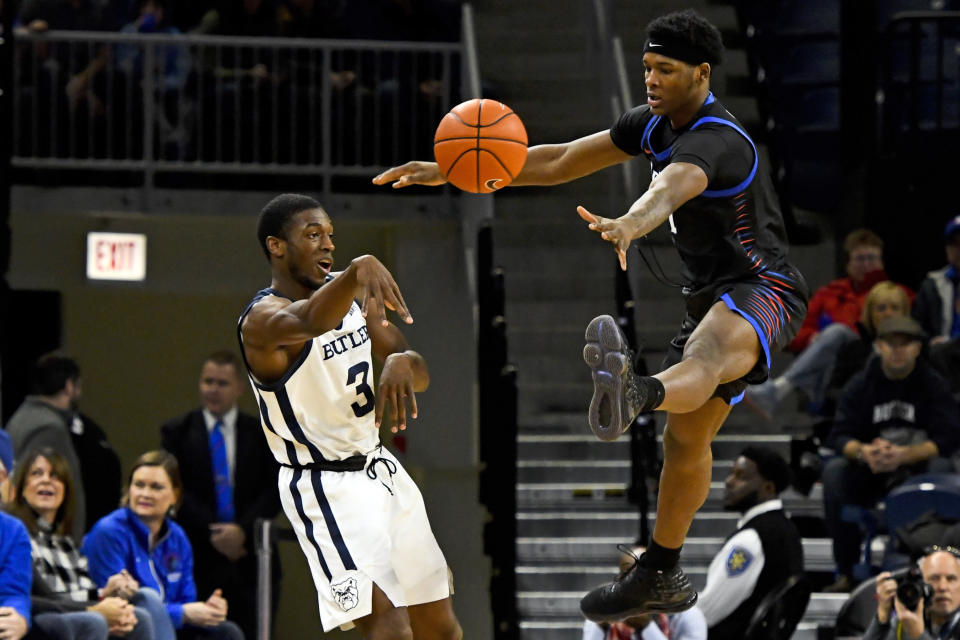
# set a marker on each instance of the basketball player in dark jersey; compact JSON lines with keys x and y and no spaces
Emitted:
{"x":743,"y":299}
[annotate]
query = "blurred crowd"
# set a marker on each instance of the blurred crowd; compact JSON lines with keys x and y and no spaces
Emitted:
{"x":253,"y":100}
{"x":163,"y":553}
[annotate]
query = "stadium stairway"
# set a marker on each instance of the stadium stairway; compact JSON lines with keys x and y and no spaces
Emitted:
{"x":571,"y":492}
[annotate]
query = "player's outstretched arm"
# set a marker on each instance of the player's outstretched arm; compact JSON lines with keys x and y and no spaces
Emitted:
{"x":550,"y":164}
{"x":404,"y":375}
{"x":279,"y":323}
{"x":677,"y":184}
{"x":546,"y":164}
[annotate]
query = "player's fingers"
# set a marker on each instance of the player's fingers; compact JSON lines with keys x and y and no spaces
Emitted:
{"x":401,"y":308}
{"x":622,"y":256}
{"x":364,"y":298}
{"x":586,"y":215}
{"x":378,"y":407}
{"x":378,"y":297}
{"x":390,"y":174}
{"x":401,"y":422}
{"x":394,"y":403}
{"x":411,"y":394}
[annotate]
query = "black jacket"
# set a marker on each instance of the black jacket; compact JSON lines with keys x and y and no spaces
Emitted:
{"x":871,"y":403}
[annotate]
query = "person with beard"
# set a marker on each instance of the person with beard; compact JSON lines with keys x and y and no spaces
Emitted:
{"x":762,"y":553}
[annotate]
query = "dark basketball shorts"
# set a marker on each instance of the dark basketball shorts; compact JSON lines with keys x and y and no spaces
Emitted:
{"x":773,"y":302}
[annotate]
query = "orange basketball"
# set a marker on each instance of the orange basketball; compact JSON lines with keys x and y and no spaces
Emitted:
{"x":480,"y":145}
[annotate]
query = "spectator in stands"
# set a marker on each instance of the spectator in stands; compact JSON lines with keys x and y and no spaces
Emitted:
{"x":763,"y":553}
{"x":687,"y":625}
{"x":937,"y":618}
{"x":830,"y":323}
{"x":64,"y":597}
{"x":212,"y":443}
{"x":896,"y":418}
{"x":48,"y":418}
{"x":70,"y":78}
{"x":885,"y":299}
{"x":141,"y":538}
{"x":16,"y":574}
{"x":937,"y":307}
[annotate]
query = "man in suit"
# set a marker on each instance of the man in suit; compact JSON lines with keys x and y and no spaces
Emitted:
{"x":229,"y":480}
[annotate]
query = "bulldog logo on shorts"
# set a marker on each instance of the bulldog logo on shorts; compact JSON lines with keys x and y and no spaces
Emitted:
{"x":345,"y":593}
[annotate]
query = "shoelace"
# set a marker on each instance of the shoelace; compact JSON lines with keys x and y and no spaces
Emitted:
{"x":372,"y":472}
{"x":624,"y":549}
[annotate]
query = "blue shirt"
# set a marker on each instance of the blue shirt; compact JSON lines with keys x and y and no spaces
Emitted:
{"x":16,"y":566}
{"x":120,"y":540}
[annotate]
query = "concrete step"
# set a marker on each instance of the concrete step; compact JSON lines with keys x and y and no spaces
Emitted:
{"x":822,"y":608}
{"x":597,"y":286}
{"x":625,"y":525}
{"x":570,"y":628}
{"x":586,"y":446}
{"x":697,"y":551}
{"x":581,"y":578}
{"x":587,"y":471}
{"x":612,"y":497}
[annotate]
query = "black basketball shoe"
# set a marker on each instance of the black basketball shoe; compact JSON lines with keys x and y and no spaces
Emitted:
{"x":637,"y":591}
{"x":617,"y":399}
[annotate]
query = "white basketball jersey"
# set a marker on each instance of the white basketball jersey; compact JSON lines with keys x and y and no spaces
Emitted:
{"x":322,"y":407}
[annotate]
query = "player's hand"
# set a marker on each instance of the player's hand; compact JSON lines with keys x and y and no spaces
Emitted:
{"x":414,"y":172}
{"x":619,"y":232}
{"x":13,"y":626}
{"x":378,"y":290}
{"x":395,"y":390}
{"x":886,"y":589}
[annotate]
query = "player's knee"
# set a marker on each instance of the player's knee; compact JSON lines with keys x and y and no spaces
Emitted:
{"x":450,"y":631}
{"x":685,"y":443}
{"x":392,"y":631}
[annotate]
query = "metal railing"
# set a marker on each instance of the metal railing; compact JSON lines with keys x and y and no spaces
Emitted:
{"x":153,"y":103}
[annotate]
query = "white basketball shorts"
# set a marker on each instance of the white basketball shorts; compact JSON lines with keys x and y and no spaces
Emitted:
{"x":357,"y":531}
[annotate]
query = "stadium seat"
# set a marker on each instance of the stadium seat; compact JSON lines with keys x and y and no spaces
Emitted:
{"x":780,"y":611}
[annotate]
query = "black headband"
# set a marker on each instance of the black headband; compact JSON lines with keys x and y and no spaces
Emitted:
{"x":677,"y":49}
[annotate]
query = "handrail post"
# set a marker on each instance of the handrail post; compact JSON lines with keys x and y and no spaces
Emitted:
{"x":149,"y":115}
{"x":263,"y":534}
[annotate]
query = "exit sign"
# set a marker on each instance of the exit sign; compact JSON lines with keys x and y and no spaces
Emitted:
{"x":116,"y":256}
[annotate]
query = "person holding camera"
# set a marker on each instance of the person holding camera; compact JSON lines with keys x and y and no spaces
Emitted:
{"x":922,"y":603}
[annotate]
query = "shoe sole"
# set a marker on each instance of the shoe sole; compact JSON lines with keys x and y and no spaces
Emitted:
{"x":639,"y":611}
{"x":605,"y":354}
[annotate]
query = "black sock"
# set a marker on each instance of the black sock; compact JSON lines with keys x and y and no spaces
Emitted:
{"x":661,"y":558}
{"x":653,"y":390}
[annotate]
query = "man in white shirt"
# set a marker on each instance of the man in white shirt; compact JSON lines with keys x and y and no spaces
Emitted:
{"x":686,"y":625}
{"x":764,"y":551}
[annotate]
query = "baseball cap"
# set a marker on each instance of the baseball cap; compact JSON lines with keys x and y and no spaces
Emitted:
{"x":952,"y":227}
{"x":6,"y":451}
{"x":903,"y":325}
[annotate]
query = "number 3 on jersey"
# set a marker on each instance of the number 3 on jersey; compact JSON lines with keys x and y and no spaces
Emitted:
{"x":361,"y":369}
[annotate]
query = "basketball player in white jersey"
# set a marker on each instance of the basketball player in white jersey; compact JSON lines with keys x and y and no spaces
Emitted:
{"x":358,"y":516}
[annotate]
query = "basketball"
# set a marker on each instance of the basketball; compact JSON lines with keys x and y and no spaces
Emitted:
{"x":480,"y":145}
